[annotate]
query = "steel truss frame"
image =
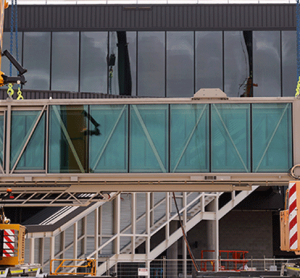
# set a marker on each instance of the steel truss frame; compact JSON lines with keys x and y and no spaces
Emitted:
{"x":64,"y":187}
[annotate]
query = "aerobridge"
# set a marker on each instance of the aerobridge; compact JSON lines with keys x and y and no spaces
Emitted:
{"x":75,"y":151}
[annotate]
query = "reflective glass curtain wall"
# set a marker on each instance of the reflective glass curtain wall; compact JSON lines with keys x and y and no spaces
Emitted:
{"x":65,"y":61}
{"x":163,"y":138}
{"x":163,"y":64}
{"x":209,"y":59}
{"x":289,"y":63}
{"x":151,"y":64}
{"x":180,"y":64}
{"x":267,"y":63}
{"x":237,"y":63}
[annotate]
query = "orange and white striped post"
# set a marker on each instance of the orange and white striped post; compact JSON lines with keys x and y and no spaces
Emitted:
{"x":9,"y":243}
{"x":294,"y":217}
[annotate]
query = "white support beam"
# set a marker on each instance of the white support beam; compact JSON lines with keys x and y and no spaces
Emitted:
{"x":133,"y":221}
{"x":167,"y":229}
{"x":216,"y":208}
{"x":117,"y":220}
{"x":148,"y":232}
{"x":100,"y":227}
{"x":184,"y":249}
{"x":96,"y":232}
{"x":75,"y":240}
{"x":31,"y":250}
{"x":41,"y":251}
{"x":84,"y":242}
{"x":52,"y":248}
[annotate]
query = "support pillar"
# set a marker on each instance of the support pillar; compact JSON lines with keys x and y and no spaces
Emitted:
{"x":52,"y":250}
{"x":75,"y":238}
{"x":133,"y":221}
{"x":172,"y":255}
{"x":184,"y":250}
{"x":31,"y":250}
{"x":213,"y":232}
{"x":117,"y":211}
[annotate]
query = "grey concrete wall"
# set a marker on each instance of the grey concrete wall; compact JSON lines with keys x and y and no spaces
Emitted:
{"x":247,"y":230}
{"x":239,"y":230}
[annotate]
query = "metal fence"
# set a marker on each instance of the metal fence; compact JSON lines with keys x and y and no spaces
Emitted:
{"x":167,"y":268}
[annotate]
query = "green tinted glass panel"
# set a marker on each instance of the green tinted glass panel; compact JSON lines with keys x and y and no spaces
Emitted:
{"x":1,"y":139}
{"x":22,"y":123}
{"x":34,"y":153}
{"x":68,"y":132}
{"x":189,"y":138}
{"x":230,"y":134}
{"x":108,"y":148}
{"x":272,"y":137}
{"x":149,"y":138}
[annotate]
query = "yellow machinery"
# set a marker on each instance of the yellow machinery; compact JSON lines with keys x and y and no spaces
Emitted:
{"x":13,"y":247}
{"x":12,"y":240}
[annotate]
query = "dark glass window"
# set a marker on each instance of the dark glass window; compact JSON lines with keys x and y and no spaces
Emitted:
{"x":289,"y":63}
{"x":65,"y":61}
{"x":151,"y":64}
{"x":68,"y":132}
{"x":209,"y":60}
{"x":266,"y":63}
{"x":93,"y":66}
{"x":237,"y":62}
{"x":122,"y":63}
{"x":180,"y":64}
{"x":37,"y":60}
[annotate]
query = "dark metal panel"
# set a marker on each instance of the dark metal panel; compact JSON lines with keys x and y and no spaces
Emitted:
{"x":34,"y":94}
{"x":155,"y":17}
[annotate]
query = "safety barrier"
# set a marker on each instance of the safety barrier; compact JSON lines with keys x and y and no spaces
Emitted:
{"x":234,"y":260}
{"x":85,"y":267}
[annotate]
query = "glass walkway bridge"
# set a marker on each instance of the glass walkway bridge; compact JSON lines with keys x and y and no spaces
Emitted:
{"x":71,"y":146}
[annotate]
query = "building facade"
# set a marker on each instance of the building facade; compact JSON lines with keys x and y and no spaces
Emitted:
{"x":158,"y":50}
{"x":247,"y":50}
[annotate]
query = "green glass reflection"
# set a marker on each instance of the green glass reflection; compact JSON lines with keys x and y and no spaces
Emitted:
{"x":108,"y":150}
{"x":34,"y":153}
{"x":1,"y":140}
{"x":22,"y":124}
{"x":272,"y":137}
{"x":149,"y":138}
{"x":230,"y":134}
{"x":68,"y":132}
{"x":189,"y":149}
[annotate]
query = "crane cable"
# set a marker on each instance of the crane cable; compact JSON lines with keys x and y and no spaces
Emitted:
{"x":185,"y":237}
{"x":14,"y":26}
{"x":298,"y":47}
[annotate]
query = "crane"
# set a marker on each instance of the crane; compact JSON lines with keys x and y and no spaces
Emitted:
{"x":4,"y":79}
